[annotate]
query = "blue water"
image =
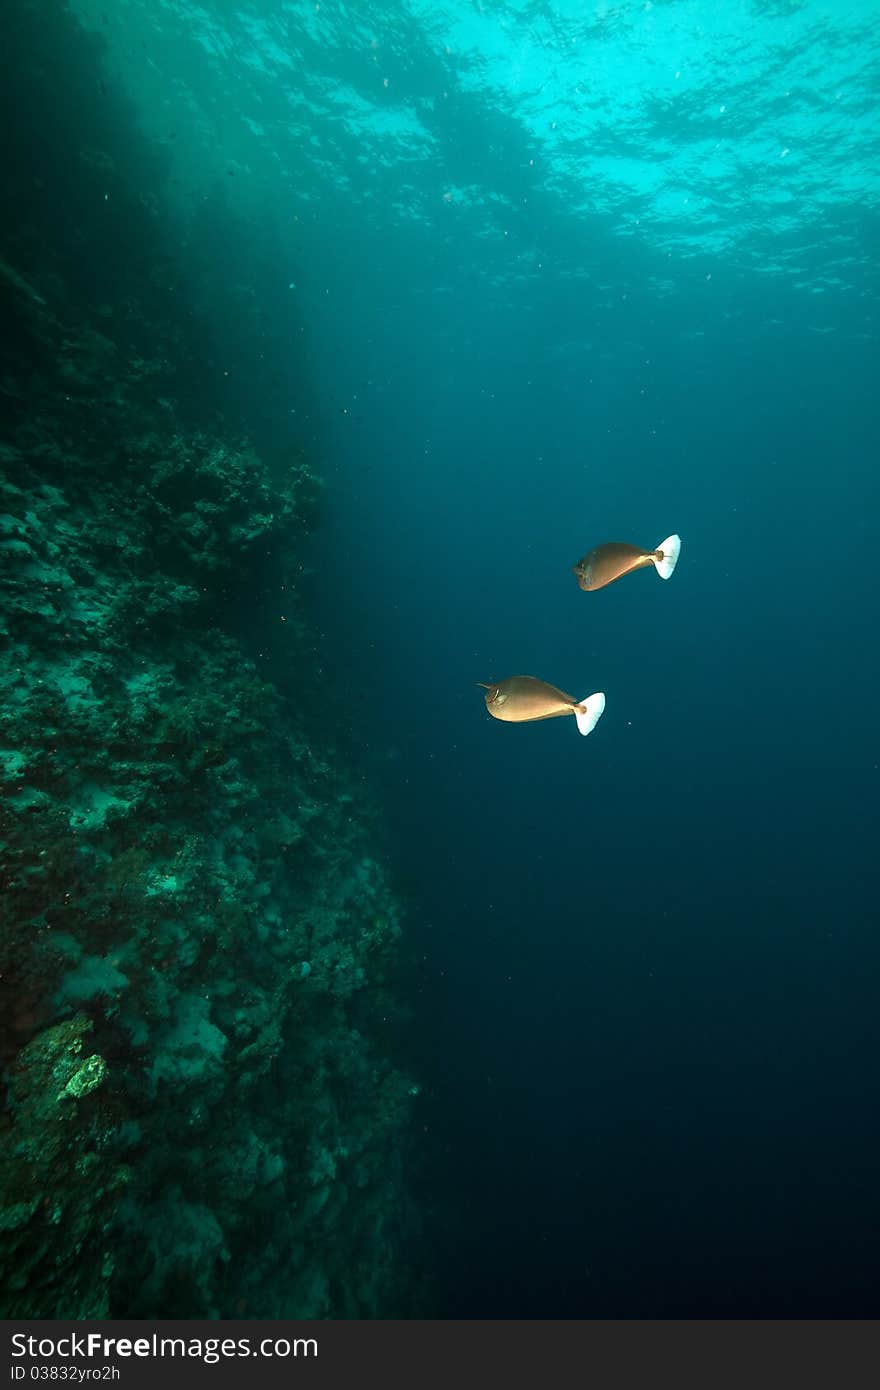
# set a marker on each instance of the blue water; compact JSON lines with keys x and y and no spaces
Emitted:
{"x":528,"y":277}
{"x":649,"y":960}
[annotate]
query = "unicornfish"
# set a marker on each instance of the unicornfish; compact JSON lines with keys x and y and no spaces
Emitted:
{"x":605,"y":563}
{"x":521,"y":699}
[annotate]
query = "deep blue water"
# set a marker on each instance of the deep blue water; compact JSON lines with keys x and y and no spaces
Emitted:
{"x":647,"y":1006}
{"x":544,"y":276}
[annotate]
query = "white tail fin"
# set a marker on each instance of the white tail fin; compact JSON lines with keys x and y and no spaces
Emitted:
{"x":667,"y":558}
{"x":591,"y":713}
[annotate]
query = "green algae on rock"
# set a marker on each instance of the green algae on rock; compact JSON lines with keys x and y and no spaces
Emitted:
{"x":61,"y":1179}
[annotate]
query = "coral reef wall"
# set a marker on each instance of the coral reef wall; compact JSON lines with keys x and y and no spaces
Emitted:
{"x":200,"y":1114}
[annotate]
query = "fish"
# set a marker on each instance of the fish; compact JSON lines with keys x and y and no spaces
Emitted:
{"x":605,"y":563}
{"x":521,"y":699}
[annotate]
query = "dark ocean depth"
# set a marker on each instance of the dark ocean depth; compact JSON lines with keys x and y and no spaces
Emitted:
{"x":334,"y":336}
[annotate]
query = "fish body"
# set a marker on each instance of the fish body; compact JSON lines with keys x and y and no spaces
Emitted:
{"x":613,"y":559}
{"x":523,"y":699}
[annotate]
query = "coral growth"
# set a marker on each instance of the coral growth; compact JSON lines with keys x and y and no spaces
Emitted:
{"x":201,"y":1115}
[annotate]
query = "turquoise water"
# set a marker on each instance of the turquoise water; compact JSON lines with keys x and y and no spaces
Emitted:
{"x":735,"y":135}
{"x":335,"y":336}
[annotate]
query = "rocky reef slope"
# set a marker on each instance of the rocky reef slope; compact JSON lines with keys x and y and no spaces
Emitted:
{"x":200,"y":1117}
